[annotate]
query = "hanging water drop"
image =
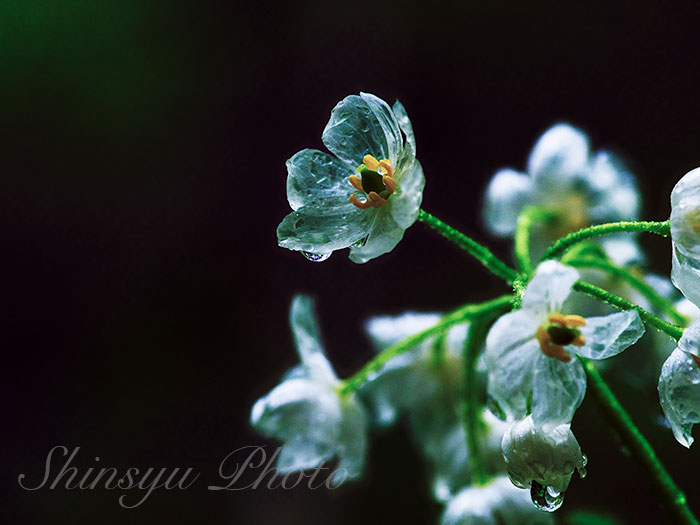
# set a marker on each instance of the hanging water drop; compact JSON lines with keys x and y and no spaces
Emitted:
{"x":582,"y":471}
{"x":316,"y":257}
{"x":360,"y":243}
{"x":545,"y":498}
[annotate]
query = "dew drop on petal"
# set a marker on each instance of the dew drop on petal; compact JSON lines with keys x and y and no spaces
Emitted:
{"x":316,"y":257}
{"x":545,"y":498}
{"x":360,"y":243}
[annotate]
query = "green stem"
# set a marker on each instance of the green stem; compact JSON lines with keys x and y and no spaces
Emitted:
{"x":657,"y":300}
{"x":623,"y":304}
{"x":455,"y":317}
{"x":638,"y":445}
{"x":472,"y":416}
{"x":526,"y":220}
{"x":662,"y":228}
{"x":478,"y":251}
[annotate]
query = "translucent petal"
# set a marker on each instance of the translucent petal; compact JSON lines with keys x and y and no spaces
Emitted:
{"x":685,"y":211}
{"x":354,"y":130}
{"x":405,"y":204}
{"x":324,"y":233}
{"x":679,"y":392}
{"x":383,"y":235}
{"x":351,"y":446}
{"x":389,"y":123}
{"x":387,"y":330}
{"x":511,"y":351}
{"x":319,"y":181}
{"x":690,"y":341}
{"x":506,"y":195}
{"x":685,"y":274}
{"x":497,"y":502}
{"x":609,"y":335}
{"x":615,"y":192}
{"x":560,"y":154}
{"x":623,"y":250}
{"x":558,"y":389}
{"x":549,"y":287}
{"x":307,"y":336}
{"x":406,"y":127}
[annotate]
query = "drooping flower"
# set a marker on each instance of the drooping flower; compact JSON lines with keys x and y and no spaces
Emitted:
{"x":306,"y":410}
{"x":425,"y":386}
{"x":679,"y":385}
{"x":362,"y":197}
{"x":685,"y":233}
{"x":528,"y":351}
{"x":546,"y":454}
{"x":580,"y":187}
{"x":496,"y":502}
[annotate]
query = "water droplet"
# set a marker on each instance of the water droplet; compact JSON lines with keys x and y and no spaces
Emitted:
{"x":517,"y":480}
{"x":316,"y":257}
{"x":545,"y":498}
{"x":360,"y":243}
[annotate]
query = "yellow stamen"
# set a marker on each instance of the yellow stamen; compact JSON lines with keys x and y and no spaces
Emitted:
{"x":370,"y":162}
{"x":390,"y":183}
{"x":386,"y":166}
{"x":376,"y":200}
{"x":550,"y":349}
{"x":356,"y":182}
{"x":579,"y":341}
{"x":360,"y":204}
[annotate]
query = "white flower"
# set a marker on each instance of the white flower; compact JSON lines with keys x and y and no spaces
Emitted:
{"x":497,"y":502}
{"x":685,"y":233}
{"x":426,"y":386}
{"x":362,"y":197}
{"x":528,"y":351}
{"x":547,"y":455}
{"x":679,"y":385}
{"x":306,"y":410}
{"x":580,"y":187}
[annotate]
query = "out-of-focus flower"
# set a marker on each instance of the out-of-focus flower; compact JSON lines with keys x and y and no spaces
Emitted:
{"x":685,"y":233}
{"x":306,"y":411}
{"x":545,"y":454}
{"x":497,"y":502}
{"x":679,"y":385}
{"x":425,"y":385}
{"x":528,"y":351}
{"x":581,"y":188}
{"x":365,"y":196}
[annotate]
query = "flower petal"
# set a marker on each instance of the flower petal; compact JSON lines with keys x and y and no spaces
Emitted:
{"x":506,"y":195}
{"x":386,"y":330}
{"x":549,"y":287}
{"x":609,"y":335}
{"x":558,"y":389}
{"x":685,"y":203}
{"x":351,"y":445}
{"x":406,"y":127}
{"x":623,"y":250}
{"x":307,"y":336}
{"x":615,"y":194}
{"x":511,"y":351}
{"x":405,"y":204}
{"x":383,"y":235}
{"x":319,"y":181}
{"x":690,"y":341}
{"x":679,"y":392}
{"x":324,"y":233}
{"x":355,"y":130}
{"x":559,"y":155}
{"x":685,"y":274}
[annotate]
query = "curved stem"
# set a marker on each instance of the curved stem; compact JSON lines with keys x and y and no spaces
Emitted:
{"x":662,"y":228}
{"x":623,"y":304}
{"x":455,"y":317}
{"x":475,"y":336}
{"x":638,"y":445}
{"x":476,"y":250}
{"x":657,"y":300}
{"x":526,"y":220}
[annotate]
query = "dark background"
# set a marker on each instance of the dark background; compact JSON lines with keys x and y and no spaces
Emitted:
{"x":142,"y":166}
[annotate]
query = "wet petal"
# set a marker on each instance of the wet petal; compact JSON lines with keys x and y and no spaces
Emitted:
{"x":406,"y":126}
{"x":690,"y":341}
{"x":358,"y":127}
{"x":549,"y":287}
{"x":506,"y":195}
{"x":324,"y":233}
{"x":685,"y":210}
{"x":685,"y":274}
{"x":559,"y":155}
{"x":405,"y":203}
{"x":383,"y":235}
{"x":609,"y":335}
{"x":307,"y":336}
{"x":679,"y":392}
{"x":558,"y":389}
{"x":511,"y":350}
{"x":319,"y":181}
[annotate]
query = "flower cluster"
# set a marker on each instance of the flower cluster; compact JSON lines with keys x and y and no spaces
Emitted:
{"x":527,"y":356}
